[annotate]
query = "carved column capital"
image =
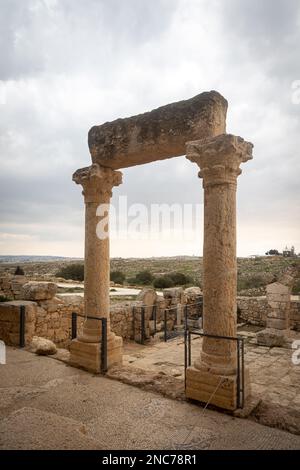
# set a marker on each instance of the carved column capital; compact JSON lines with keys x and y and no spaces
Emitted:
{"x":219,"y":158}
{"x":97,"y":182}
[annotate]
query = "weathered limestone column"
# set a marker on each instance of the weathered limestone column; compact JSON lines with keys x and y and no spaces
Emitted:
{"x":277,"y":332}
{"x":213,"y":377}
{"x":97,"y":183}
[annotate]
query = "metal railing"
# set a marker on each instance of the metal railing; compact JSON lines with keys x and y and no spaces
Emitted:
{"x":188,"y":332}
{"x":139,"y":321}
{"x":103,"y":350}
{"x":22,"y":327}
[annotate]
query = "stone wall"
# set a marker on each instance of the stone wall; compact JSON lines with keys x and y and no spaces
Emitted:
{"x":121,"y":319}
{"x":254,"y":310}
{"x":53,"y":319}
{"x":50,"y":319}
{"x":11,"y":286}
{"x":10,"y":321}
{"x":295,"y":315}
{"x":49,"y":315}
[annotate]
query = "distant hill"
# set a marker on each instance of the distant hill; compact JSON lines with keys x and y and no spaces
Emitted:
{"x":32,"y":259}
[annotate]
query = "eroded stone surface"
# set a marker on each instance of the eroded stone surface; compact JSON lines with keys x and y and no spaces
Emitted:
{"x":159,"y":134}
{"x":97,"y":183}
{"x":38,"y":290}
{"x":219,"y":159}
{"x":42,"y":346}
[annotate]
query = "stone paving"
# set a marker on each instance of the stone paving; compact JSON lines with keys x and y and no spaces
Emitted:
{"x":46,"y":404}
{"x":274,"y":377}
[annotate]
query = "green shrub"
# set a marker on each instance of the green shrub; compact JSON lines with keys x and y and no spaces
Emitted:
{"x":296,"y":287}
{"x":75,"y":272}
{"x":143,"y":278}
{"x":179,"y":279}
{"x":163,"y":282}
{"x":117,"y":276}
{"x":251,"y":282}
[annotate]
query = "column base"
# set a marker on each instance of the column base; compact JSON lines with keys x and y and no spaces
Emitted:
{"x":272,"y":337}
{"x":218,"y":390}
{"x":87,"y":355}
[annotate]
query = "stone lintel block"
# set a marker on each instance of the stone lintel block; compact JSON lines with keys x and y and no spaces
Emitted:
{"x":159,"y":134}
{"x":201,"y":385}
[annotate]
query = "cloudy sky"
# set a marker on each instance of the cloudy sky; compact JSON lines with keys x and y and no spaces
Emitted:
{"x":69,"y":64}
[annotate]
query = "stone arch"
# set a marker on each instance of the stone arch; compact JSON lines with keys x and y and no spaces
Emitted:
{"x":197,"y":128}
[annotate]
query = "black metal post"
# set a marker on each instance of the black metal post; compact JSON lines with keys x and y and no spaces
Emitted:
{"x":74,"y":325}
{"x":238,"y":385}
{"x":202,"y":314}
{"x":142,"y":325}
{"x":243,"y":374}
{"x":165,"y":326}
{"x":22,"y":326}
{"x":154,"y":313}
{"x":189,"y":349}
{"x":103,"y":357}
{"x":133,"y":322}
{"x":185,"y":344}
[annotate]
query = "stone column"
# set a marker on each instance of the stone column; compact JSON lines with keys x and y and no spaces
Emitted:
{"x":213,"y":377}
{"x":97,"y":183}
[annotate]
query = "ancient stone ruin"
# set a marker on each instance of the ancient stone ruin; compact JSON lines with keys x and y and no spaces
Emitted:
{"x":277,"y":332}
{"x":197,"y":128}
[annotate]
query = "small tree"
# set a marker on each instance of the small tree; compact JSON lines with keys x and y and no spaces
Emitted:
{"x":179,"y":279}
{"x":273,"y":252}
{"x":144,"y":278}
{"x":75,"y":272}
{"x":19,"y":271}
{"x":117,"y":276}
{"x":163,"y":282}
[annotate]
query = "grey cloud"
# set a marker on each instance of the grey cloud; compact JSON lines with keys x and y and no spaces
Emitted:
{"x":82,"y":63}
{"x":42,"y":36}
{"x":19,"y":57}
{"x":268,"y":29}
